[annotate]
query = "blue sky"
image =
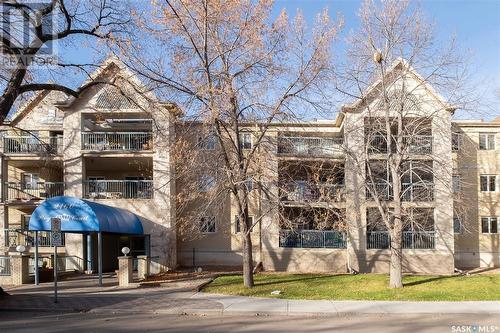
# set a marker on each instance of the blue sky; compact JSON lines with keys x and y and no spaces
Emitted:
{"x":475,"y":23}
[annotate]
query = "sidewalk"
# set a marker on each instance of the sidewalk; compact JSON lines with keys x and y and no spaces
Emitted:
{"x":237,"y":305}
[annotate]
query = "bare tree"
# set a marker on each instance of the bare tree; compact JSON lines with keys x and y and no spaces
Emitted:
{"x":29,"y":31}
{"x":236,"y":72}
{"x":402,"y":145}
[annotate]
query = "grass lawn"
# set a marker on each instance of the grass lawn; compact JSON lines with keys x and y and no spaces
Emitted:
{"x":362,"y":287}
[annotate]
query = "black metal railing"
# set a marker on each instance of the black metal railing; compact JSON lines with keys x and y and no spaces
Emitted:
{"x":411,"y":240}
{"x":312,"y":239}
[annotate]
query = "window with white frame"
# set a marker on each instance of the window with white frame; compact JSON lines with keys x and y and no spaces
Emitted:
{"x":206,"y":182}
{"x":455,"y":182}
{"x":489,"y":225}
{"x":246,"y":140}
{"x":488,"y":183}
{"x":457,"y":225}
{"x":456,"y":141}
{"x":486,"y":141}
{"x":238,"y":226}
{"x":208,"y":224}
{"x":30,"y":180}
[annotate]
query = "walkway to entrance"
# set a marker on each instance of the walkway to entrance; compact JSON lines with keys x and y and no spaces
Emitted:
{"x":81,"y":293}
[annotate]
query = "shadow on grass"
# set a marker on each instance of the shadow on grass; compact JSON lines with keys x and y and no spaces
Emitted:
{"x":429,"y":280}
{"x":278,"y":280}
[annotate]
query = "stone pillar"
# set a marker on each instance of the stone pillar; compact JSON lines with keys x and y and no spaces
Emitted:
{"x":142,"y":267}
{"x":20,"y":273}
{"x":124,"y":271}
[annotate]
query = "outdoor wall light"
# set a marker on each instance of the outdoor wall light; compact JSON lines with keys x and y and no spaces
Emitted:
{"x":20,"y":248}
{"x":125,"y":250}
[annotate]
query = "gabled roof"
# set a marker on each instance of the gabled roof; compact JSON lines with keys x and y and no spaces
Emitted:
{"x":398,"y":64}
{"x":101,"y":72}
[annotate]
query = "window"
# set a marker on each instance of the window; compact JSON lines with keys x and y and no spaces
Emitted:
{"x":237,"y":223}
{"x":455,"y":180}
{"x":209,"y":142}
{"x":489,"y":225}
{"x":30,"y":181}
{"x":457,"y":225}
{"x":246,"y":140}
{"x":488,"y":183}
{"x":486,"y":141}
{"x":249,"y":184}
{"x":97,"y":185}
{"x":206,"y":183}
{"x":456,"y":141}
{"x":207,"y":224}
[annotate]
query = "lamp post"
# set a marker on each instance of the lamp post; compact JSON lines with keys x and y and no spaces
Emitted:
{"x":20,"y":249}
{"x":125,"y":251}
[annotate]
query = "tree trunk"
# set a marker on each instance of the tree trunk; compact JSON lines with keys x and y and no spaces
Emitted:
{"x":247,"y":261}
{"x":396,"y":269}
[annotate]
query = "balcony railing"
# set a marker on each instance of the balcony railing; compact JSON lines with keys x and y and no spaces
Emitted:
{"x":412,"y":144}
{"x":15,"y":237}
{"x":32,"y":145}
{"x":409,"y":192}
{"x":309,"y":146}
{"x":33,"y":191}
{"x":118,"y":189}
{"x":301,"y":191}
{"x":117,"y":141}
{"x":312,"y":239}
{"x":411,"y":240}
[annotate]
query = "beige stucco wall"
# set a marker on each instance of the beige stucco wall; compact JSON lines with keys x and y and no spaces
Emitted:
{"x":472,"y":247}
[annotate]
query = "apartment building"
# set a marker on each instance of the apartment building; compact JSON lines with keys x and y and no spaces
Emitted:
{"x":111,"y":149}
{"x":101,"y":147}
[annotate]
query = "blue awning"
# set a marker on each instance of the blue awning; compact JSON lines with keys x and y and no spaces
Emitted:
{"x":82,"y":216}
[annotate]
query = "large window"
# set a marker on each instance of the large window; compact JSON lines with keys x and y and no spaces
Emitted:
{"x":207,"y":224}
{"x":486,"y":141}
{"x":489,"y":225}
{"x":488,"y":183}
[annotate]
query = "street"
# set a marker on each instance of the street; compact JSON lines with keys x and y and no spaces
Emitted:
{"x":126,"y":322}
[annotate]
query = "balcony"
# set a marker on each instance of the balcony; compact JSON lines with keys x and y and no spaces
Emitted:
{"x":302,"y":191}
{"x":417,"y":192}
{"x":312,"y":239}
{"x":414,"y":144}
{"x":118,"y":189}
{"x":117,"y":141}
{"x":32,"y":145}
{"x":411,"y":240}
{"x":15,"y":237}
{"x":310,"y":146}
{"x":33,"y":191}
